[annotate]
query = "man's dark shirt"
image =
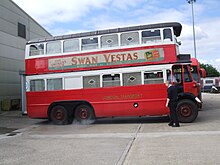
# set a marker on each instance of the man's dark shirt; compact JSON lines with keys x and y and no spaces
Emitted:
{"x":172,"y":93}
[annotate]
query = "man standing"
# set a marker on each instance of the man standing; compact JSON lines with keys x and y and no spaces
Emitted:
{"x":172,"y":96}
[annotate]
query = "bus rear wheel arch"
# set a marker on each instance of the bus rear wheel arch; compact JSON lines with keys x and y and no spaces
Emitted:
{"x":187,"y":111}
{"x":84,"y":114}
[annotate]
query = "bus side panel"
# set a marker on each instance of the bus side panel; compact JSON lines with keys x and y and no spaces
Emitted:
{"x":131,"y":101}
{"x":107,"y":102}
{"x":40,"y":65}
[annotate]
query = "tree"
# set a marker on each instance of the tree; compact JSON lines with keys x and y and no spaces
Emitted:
{"x":210,"y":70}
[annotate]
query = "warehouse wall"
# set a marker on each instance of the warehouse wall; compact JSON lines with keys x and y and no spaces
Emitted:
{"x":12,"y":46}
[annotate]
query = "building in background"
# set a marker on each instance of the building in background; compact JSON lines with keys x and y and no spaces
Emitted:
{"x":16,"y":28}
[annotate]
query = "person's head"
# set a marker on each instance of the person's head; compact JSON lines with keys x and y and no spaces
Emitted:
{"x":168,"y":82}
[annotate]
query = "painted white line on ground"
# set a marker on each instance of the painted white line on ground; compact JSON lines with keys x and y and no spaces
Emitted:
{"x":126,"y":135}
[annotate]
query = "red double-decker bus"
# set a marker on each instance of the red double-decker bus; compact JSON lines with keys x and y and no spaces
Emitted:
{"x":108,"y":73}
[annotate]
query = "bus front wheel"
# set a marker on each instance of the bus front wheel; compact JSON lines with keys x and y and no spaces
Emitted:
{"x":84,"y":114}
{"x":187,"y":111}
{"x":59,"y":115}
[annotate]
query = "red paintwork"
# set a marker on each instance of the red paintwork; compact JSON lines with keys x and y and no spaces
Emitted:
{"x":107,"y":102}
{"x":40,"y":65}
{"x":195,"y":62}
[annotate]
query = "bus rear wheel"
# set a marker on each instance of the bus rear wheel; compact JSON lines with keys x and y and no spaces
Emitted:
{"x":84,"y":114}
{"x":59,"y":115}
{"x":187,"y":111}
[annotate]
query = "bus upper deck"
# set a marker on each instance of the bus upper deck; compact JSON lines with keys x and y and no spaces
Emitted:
{"x":129,"y":46}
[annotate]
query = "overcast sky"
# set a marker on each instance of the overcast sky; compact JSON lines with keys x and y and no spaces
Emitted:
{"x":69,"y":16}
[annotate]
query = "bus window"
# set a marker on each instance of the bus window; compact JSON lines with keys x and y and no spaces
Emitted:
{"x":129,"y":38}
{"x":54,"y":84}
{"x":111,"y":80}
{"x":73,"y":83}
{"x":53,"y":47}
{"x":187,"y":77}
{"x":130,"y":79}
{"x":37,"y":85}
{"x":90,"y":43}
{"x":195,"y":73}
{"x":109,"y":41}
{"x":177,"y":73}
{"x":150,"y":36}
{"x":172,"y":78}
{"x":36,"y":49}
{"x":153,"y":77}
{"x":167,"y":35}
{"x":91,"y":81}
{"x":71,"y":45}
{"x":209,"y":82}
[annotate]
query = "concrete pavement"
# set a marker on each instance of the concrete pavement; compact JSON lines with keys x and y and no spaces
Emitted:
{"x":116,"y":141}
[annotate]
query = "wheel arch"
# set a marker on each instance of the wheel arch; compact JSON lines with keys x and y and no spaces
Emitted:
{"x":189,"y":96}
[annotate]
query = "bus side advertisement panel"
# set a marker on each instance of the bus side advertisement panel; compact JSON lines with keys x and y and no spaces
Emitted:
{"x":103,"y":59}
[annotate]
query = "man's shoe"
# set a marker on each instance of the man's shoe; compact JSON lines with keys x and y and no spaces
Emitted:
{"x":170,"y":124}
{"x":176,"y":125}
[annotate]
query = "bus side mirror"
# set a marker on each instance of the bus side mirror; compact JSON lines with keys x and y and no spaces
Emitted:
{"x":179,"y":43}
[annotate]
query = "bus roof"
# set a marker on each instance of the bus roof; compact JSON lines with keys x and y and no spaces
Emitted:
{"x":176,"y":26}
{"x":195,"y":62}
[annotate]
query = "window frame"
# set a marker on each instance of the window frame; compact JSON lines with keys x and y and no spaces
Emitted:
{"x":44,"y":85}
{"x":22,"y":30}
{"x":60,"y":47}
{"x":112,"y":74}
{"x":54,"y":79}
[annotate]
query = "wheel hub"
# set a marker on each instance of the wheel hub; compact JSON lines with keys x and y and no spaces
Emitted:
{"x":83,"y":114}
{"x":59,"y":115}
{"x":186,"y":111}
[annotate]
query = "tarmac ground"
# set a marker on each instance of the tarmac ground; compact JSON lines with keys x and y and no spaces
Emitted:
{"x":127,"y":141}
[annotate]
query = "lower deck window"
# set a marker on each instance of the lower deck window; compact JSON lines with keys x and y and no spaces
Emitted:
{"x":130,"y":79}
{"x":111,"y":80}
{"x":37,"y":85}
{"x":155,"y":77}
{"x":91,"y":81}
{"x":54,"y":84}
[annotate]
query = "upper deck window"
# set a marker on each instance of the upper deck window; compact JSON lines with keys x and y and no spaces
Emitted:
{"x":90,"y":43}
{"x":151,"y":36}
{"x":109,"y":41}
{"x":36,"y":49}
{"x":53,"y":47}
{"x":129,"y":38}
{"x":167,"y":34}
{"x":71,"y":45}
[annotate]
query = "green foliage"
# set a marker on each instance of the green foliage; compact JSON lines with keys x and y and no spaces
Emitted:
{"x":210,"y":70}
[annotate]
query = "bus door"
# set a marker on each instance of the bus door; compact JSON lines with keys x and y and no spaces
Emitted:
{"x":184,"y":79}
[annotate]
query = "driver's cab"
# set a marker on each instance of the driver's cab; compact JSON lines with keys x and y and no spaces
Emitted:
{"x":181,"y":77}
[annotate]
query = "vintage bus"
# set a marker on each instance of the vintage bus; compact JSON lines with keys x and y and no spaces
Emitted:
{"x":108,"y":73}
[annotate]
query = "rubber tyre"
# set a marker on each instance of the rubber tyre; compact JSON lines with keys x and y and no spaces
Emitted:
{"x":59,"y":115}
{"x":187,"y":111}
{"x":84,"y":114}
